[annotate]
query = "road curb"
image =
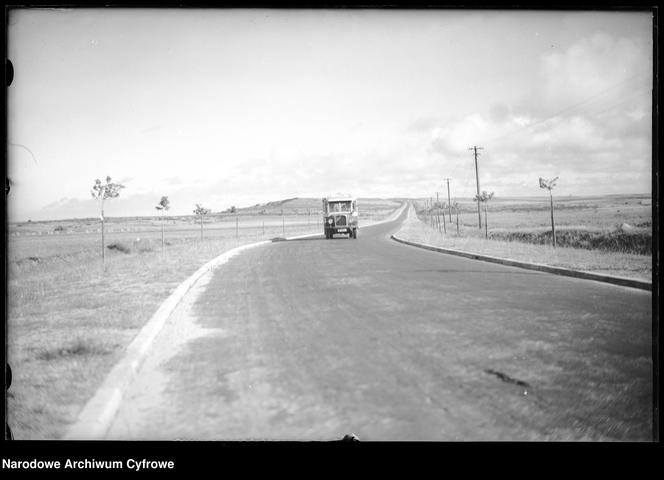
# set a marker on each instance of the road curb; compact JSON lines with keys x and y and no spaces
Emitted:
{"x":96,"y":417}
{"x":98,"y":413}
{"x":622,"y":281}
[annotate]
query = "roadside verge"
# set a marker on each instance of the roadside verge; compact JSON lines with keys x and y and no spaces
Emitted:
{"x":98,"y":413}
{"x":625,"y":282}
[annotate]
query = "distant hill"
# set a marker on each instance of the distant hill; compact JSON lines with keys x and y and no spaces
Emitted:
{"x":303,"y":205}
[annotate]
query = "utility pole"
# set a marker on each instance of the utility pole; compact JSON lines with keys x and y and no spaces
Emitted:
{"x":431,"y":210}
{"x":438,"y":213}
{"x":477,"y":178}
{"x":103,"y":254}
{"x":449,"y":202}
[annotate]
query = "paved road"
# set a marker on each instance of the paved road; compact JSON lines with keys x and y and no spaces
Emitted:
{"x":313,"y":339}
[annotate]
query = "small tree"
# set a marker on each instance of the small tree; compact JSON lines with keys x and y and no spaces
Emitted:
{"x":549,"y":184}
{"x":101,"y":192}
{"x":163,"y":206}
{"x":484,"y":199}
{"x":200,"y":213}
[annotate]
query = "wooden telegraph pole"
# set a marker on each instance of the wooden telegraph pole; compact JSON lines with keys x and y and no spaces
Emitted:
{"x":438,"y":213}
{"x":103,"y":254}
{"x":449,"y":202}
{"x":477,"y":178}
{"x":431,"y":211}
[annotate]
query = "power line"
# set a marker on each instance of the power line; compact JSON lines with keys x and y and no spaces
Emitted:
{"x":622,"y":102}
{"x":567,"y":109}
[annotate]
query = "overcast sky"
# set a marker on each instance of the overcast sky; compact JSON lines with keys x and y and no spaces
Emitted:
{"x":237,"y":107}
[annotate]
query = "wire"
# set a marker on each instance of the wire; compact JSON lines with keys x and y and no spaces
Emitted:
{"x":627,"y":99}
{"x":568,"y":109}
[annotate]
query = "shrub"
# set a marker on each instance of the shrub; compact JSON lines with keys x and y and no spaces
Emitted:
{"x":119,"y":246}
{"x":78,"y":347}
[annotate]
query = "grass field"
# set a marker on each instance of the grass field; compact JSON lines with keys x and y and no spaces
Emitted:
{"x":610,"y":235}
{"x":70,"y":316}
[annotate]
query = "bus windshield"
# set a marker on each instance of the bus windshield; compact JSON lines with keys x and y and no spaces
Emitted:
{"x":338,"y":207}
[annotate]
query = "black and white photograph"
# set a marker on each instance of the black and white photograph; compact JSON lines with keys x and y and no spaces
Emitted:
{"x":330,"y":224}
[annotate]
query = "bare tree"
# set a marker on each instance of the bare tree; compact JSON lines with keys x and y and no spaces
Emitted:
{"x":163,"y":206}
{"x":101,"y":192}
{"x":200,"y":213}
{"x":549,"y":184}
{"x":484,"y":199}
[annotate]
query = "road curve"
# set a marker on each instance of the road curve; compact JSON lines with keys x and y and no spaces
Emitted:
{"x":312,"y":339}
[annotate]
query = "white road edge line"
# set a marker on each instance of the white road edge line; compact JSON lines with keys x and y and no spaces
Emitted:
{"x":95,"y":419}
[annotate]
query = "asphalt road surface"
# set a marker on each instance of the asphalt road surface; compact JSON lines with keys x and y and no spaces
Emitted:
{"x":313,"y":339}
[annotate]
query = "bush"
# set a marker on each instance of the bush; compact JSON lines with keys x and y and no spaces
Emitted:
{"x":78,"y":347}
{"x":119,"y":246}
{"x":140,"y":245}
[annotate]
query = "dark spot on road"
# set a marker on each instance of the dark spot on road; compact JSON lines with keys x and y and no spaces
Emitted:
{"x":507,"y":378}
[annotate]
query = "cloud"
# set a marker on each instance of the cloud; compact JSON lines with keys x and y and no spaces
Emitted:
{"x":455,"y":137}
{"x":591,"y":114}
{"x":421,"y":124}
{"x":593,"y":65}
{"x":62,"y":202}
{"x":499,"y":112}
{"x":174,"y":181}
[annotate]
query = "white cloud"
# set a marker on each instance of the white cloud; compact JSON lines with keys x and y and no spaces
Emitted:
{"x":588,"y":118}
{"x":593,"y":65}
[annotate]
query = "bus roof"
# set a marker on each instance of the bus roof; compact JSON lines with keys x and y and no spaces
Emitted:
{"x":340,"y":199}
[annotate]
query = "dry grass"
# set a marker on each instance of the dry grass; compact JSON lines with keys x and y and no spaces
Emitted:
{"x":70,"y":317}
{"x":471,"y":239}
{"x":616,"y":240}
